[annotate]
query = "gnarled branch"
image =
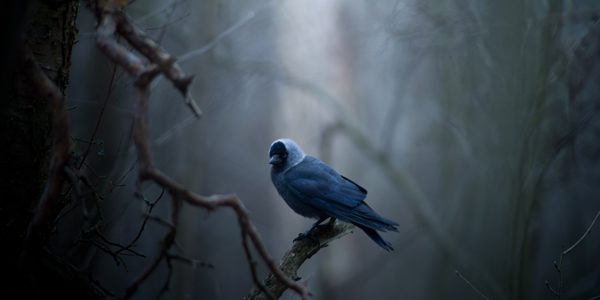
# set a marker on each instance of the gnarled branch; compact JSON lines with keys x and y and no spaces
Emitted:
{"x":296,"y":256}
{"x":155,"y":61}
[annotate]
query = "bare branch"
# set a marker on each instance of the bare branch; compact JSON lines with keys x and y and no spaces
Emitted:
{"x":113,"y":21}
{"x":146,"y":218}
{"x":294,"y":258}
{"x":252,"y":264}
{"x":551,"y":289}
{"x":558,"y":265}
{"x":214,"y":202}
{"x":157,"y":55}
{"x":238,"y":24}
{"x":585,"y":234}
{"x":106,"y":42}
{"x":194,"y":263}
{"x":473,"y":287}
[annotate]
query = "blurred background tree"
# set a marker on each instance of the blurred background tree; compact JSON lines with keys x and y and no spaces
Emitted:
{"x":472,"y":123}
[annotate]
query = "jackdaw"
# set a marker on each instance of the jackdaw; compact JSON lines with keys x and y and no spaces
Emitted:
{"x":315,"y":190}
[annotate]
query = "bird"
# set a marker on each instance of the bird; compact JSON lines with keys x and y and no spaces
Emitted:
{"x":315,"y":190}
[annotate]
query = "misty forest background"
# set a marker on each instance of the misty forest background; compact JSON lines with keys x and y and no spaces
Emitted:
{"x":474,"y":124}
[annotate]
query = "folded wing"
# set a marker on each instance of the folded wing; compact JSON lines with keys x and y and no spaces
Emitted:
{"x":324,"y":189}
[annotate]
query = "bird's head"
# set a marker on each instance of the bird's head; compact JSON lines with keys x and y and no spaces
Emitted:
{"x":285,"y":153}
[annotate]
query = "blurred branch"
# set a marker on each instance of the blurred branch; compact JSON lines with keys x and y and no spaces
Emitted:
{"x":173,"y":130}
{"x":200,"y":51}
{"x":558,"y":266}
{"x":112,"y":21}
{"x":235,"y":26}
{"x":172,"y":5}
{"x":163,"y":28}
{"x":301,"y":251}
{"x":391,"y":118}
{"x":421,"y":206}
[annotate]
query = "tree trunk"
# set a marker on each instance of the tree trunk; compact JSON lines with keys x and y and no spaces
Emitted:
{"x":47,"y":29}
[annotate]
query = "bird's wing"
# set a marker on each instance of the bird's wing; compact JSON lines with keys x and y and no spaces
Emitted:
{"x":322,"y":188}
{"x":313,"y":179}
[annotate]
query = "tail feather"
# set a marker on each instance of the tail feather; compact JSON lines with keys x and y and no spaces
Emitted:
{"x":367,"y":217}
{"x":372,"y":233}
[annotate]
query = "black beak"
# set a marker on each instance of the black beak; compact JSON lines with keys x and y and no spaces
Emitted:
{"x":275,"y":159}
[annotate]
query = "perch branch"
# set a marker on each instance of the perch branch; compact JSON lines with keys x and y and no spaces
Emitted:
{"x":294,"y":258}
{"x":156,"y":61}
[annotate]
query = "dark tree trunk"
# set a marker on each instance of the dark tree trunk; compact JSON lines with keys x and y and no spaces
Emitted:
{"x":46,"y":29}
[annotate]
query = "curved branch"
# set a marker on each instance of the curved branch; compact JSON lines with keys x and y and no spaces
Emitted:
{"x":296,"y":256}
{"x":144,"y":70}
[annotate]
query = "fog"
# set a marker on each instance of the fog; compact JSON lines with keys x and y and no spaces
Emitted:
{"x":473,"y":124}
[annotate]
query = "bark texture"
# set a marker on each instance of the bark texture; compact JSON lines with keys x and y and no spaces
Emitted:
{"x":47,"y":30}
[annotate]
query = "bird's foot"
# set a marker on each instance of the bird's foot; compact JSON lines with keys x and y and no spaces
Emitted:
{"x":310,"y":234}
{"x":306,"y":235}
{"x":325,"y":226}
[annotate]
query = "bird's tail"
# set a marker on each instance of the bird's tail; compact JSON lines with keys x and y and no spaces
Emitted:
{"x":372,"y":233}
{"x":367,"y":217}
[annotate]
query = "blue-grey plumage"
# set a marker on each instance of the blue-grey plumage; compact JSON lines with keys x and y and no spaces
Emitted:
{"x":315,"y":190}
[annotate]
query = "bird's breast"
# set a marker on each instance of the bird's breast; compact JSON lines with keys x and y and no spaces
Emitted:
{"x":298,"y":203}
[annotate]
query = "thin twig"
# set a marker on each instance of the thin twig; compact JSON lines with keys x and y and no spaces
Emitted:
{"x":238,"y":24}
{"x":121,"y":248}
{"x":214,"y":42}
{"x":194,"y":263}
{"x":252,"y":264}
{"x":99,"y":119}
{"x":585,"y":234}
{"x":163,"y":28}
{"x":482,"y":295}
{"x":551,"y":289}
{"x":166,"y":286}
{"x":558,"y":265}
{"x":146,"y":218}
